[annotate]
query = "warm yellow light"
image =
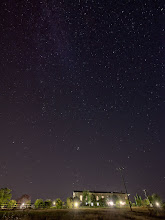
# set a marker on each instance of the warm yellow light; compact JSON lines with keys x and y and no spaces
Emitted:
{"x":76,"y":204}
{"x":110,"y":203}
{"x":122,"y":203}
{"x":157,"y":204}
{"x":54,"y":203}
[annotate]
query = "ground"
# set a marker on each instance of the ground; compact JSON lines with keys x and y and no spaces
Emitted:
{"x":84,"y":214}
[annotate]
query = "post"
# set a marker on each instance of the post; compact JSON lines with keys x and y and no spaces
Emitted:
{"x":125,"y":189}
{"x":145,"y":193}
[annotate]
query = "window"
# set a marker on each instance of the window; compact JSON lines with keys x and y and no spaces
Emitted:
{"x":81,"y":197}
{"x":97,"y":198}
{"x":102,"y":197}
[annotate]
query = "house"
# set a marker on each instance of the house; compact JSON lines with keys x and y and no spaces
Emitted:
{"x":24,"y":202}
{"x":107,"y":195}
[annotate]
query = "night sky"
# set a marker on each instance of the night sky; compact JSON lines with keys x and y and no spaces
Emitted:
{"x":81,"y":94}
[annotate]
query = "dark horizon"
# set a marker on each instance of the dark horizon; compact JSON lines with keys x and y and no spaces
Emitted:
{"x":82,"y":94}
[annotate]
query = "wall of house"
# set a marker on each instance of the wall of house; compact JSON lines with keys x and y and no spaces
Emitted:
{"x":122,"y":196}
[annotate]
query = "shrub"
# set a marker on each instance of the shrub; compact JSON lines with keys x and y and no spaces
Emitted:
{"x":12,"y":204}
{"x":69,"y":203}
{"x":59,"y":203}
{"x":47,"y":204}
{"x":39,"y":203}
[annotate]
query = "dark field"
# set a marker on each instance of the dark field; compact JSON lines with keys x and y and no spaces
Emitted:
{"x":84,"y":214}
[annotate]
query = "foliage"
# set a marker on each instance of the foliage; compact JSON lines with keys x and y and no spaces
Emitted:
{"x":102,"y":202}
{"x":5,"y":196}
{"x":12,"y":204}
{"x":154,"y":198}
{"x":93,"y":199}
{"x":138,"y":200}
{"x":59,"y":203}
{"x":118,"y":204}
{"x":163,"y":206}
{"x":145,"y":202}
{"x":85,"y":197}
{"x":39,"y":204}
{"x":47,"y":204}
{"x":69,"y":203}
{"x":114,"y":198}
{"x":128,"y":203}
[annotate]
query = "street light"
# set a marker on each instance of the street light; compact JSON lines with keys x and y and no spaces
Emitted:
{"x":122,"y":203}
{"x":157,"y":204}
{"x":110,"y":203}
{"x":76,"y":204}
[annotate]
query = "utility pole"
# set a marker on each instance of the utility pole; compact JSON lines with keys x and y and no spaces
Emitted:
{"x":145,"y":193}
{"x":121,"y":169}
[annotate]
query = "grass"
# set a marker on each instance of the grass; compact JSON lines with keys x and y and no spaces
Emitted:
{"x":84,"y":214}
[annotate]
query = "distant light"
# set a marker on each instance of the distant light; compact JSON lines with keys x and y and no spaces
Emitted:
{"x":76,"y":204}
{"x":110,"y":203}
{"x":97,"y":203}
{"x":122,"y":203}
{"x":157,"y":204}
{"x":54,"y":203}
{"x":22,"y":206}
{"x":91,"y":203}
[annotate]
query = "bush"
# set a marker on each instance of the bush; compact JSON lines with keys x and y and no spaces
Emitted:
{"x":59,"y":203}
{"x":47,"y":204}
{"x":69,"y":203}
{"x":12,"y":204}
{"x":155,"y":199}
{"x":138,"y":200}
{"x":39,"y":204}
{"x":102,"y":202}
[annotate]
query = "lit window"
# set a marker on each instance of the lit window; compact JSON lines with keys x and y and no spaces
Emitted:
{"x":102,"y":197}
{"x":97,"y":198}
{"x":81,"y":197}
{"x":97,"y":203}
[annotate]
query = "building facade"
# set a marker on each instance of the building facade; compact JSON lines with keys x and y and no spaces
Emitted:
{"x":107,"y":195}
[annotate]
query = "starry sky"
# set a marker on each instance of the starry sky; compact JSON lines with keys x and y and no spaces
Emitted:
{"x":81,"y":94}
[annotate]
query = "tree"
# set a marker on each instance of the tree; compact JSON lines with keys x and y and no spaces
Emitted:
{"x":93,"y":199}
{"x":39,"y":204}
{"x":138,"y":200}
{"x":69,"y":203}
{"x":47,"y":204}
{"x":5,"y":196}
{"x":12,"y":204}
{"x":155,"y":200}
{"x":85,"y":198}
{"x":145,"y":202}
{"x":102,"y":202}
{"x":59,"y":203}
